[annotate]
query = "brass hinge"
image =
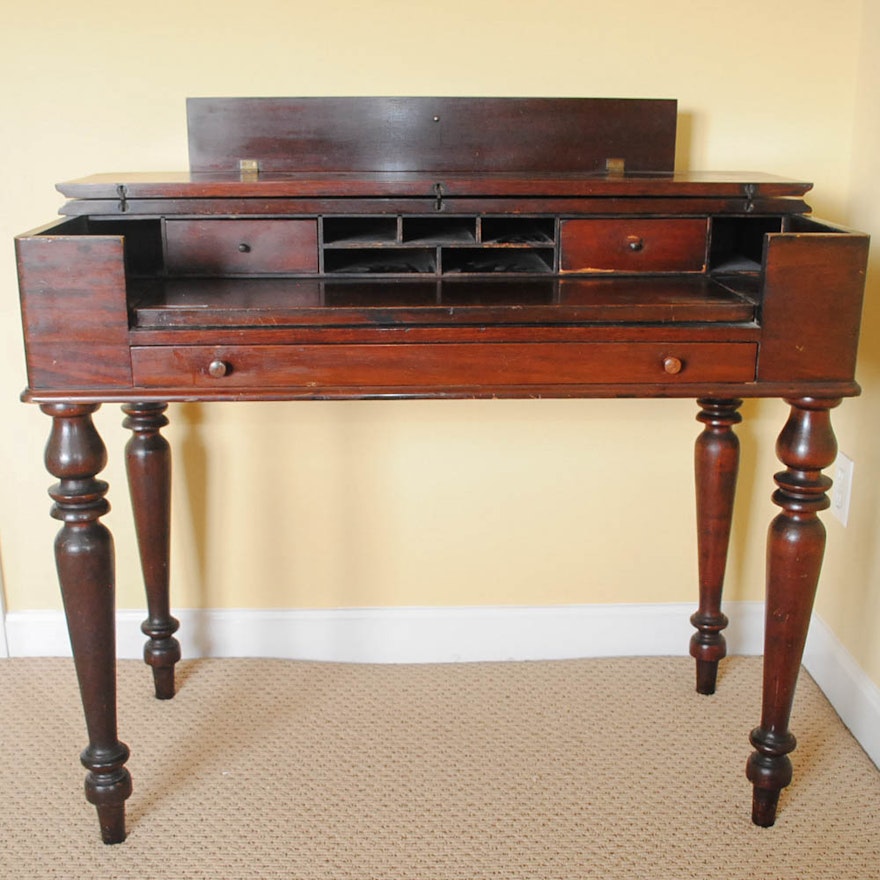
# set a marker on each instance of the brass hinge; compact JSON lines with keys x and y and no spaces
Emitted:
{"x":249,"y":168}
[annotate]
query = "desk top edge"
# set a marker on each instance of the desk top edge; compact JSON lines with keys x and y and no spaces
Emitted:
{"x":185,"y":184}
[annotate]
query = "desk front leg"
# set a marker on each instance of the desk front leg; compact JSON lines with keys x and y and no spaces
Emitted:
{"x":148,"y":464}
{"x":75,"y":454}
{"x":795,"y":547}
{"x":716,"y":464}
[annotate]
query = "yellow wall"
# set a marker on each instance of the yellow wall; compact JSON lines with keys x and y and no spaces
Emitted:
{"x":850,"y":600}
{"x":408,"y":503}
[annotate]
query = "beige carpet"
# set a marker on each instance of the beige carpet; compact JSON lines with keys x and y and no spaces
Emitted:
{"x":575,"y":769}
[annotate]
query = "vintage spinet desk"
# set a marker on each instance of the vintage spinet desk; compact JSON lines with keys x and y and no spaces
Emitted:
{"x":443,"y":248}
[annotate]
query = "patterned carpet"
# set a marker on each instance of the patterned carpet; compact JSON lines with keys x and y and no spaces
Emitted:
{"x":573,"y":769}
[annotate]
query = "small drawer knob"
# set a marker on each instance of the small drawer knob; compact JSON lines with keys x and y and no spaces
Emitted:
{"x":635,"y":243}
{"x":244,"y":248}
{"x":672,"y":365}
{"x":218,"y":369}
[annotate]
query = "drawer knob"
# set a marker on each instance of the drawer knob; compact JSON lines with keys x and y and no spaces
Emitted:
{"x":635,"y":243}
{"x":218,"y":369}
{"x":672,"y":365}
{"x":244,"y":248}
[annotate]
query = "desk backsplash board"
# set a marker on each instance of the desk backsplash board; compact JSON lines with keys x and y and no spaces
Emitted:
{"x":503,"y":135}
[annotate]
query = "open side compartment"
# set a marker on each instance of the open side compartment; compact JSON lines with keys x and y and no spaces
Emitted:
{"x":141,"y":238}
{"x":737,"y":243}
{"x":811,"y":290}
{"x":74,"y":286}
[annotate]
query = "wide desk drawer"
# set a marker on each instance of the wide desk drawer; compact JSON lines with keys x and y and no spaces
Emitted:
{"x":441,"y":365}
{"x":241,"y":247}
{"x":633,"y":245}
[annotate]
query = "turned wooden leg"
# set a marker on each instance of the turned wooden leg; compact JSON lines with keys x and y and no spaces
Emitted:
{"x":148,"y":463}
{"x":716,"y":462}
{"x":84,"y":556}
{"x":795,"y":545}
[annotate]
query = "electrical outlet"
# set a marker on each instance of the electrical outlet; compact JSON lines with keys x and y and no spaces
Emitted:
{"x":841,"y":491}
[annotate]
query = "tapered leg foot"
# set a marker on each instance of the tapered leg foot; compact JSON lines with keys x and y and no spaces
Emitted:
{"x":163,"y":682}
{"x":707,"y":676}
{"x":112,"y":822}
{"x":716,"y":464}
{"x":795,"y":547}
{"x":769,"y":770}
{"x":108,"y":786}
{"x":764,"y":803}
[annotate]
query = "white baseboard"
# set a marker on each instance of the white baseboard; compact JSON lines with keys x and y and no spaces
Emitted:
{"x":461,"y":634}
{"x":4,"y":648}
{"x":411,"y":635}
{"x":855,"y":698}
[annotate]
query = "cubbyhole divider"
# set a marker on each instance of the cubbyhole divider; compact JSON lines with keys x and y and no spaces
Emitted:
{"x":428,"y":244}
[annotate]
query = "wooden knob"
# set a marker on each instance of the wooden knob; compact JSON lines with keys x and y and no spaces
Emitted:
{"x":218,"y":369}
{"x":244,"y":248}
{"x":672,"y":365}
{"x":635,"y":243}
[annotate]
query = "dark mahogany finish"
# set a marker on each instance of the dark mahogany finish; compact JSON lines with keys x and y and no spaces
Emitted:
{"x":84,"y":556}
{"x":795,"y":546}
{"x":716,"y":463}
{"x":148,"y":464}
{"x":430,"y":134}
{"x":436,"y":248}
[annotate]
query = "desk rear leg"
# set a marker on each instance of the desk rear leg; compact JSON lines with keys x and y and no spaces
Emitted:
{"x":75,"y":454}
{"x":148,"y":464}
{"x":716,"y":464}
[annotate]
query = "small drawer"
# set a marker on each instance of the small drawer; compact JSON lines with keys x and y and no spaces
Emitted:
{"x":241,"y":247}
{"x":625,"y":245}
{"x":431,"y":366}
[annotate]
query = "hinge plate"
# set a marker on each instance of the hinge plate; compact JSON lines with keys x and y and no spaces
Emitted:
{"x":249,"y":168}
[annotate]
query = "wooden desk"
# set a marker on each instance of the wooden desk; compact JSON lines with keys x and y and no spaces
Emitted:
{"x":420,"y":247}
